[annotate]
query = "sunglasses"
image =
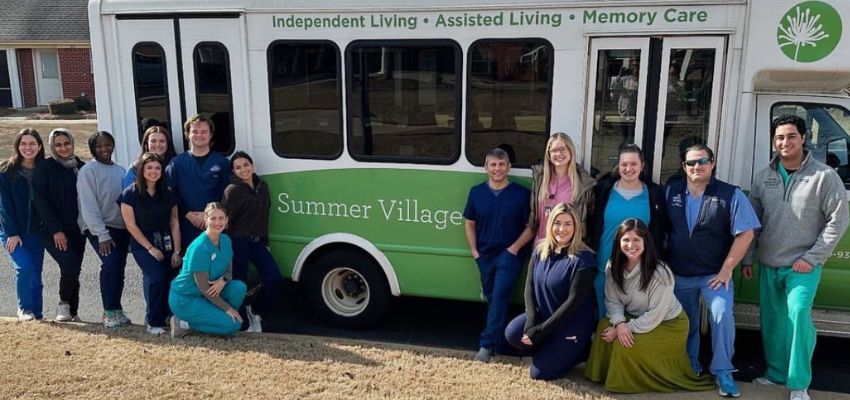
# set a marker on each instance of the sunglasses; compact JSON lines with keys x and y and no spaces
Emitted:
{"x":700,"y":161}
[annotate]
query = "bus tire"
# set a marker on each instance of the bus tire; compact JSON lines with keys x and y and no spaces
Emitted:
{"x":347,"y":289}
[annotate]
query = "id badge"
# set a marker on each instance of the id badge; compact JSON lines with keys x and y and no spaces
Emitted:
{"x":546,"y":210}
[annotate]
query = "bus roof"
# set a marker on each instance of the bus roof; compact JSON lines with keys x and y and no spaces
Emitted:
{"x":171,"y":6}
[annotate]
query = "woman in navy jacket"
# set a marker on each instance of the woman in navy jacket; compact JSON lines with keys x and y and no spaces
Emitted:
{"x":55,"y":185}
{"x":19,"y":221}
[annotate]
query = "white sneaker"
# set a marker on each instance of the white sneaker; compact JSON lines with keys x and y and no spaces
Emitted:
{"x":254,"y":321}
{"x":179,"y":328}
{"x":800,"y":395}
{"x":25,"y":315}
{"x":63,"y":313}
{"x":762,"y":380}
{"x":155,"y":330}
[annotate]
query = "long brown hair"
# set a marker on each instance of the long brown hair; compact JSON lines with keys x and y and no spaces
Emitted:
{"x":159,"y":185}
{"x":169,"y":153}
{"x":13,"y":164}
{"x":649,"y":262}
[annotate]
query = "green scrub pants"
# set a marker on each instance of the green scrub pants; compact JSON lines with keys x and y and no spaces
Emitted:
{"x":787,"y":331}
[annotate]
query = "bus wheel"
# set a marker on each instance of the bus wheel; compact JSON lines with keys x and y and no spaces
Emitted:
{"x":347,"y":289}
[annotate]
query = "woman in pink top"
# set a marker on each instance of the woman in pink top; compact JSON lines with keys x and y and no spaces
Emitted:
{"x":559,"y":179}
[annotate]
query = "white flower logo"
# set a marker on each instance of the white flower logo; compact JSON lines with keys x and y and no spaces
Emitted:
{"x":802,"y":30}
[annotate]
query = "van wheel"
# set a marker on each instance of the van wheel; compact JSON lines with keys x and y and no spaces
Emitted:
{"x":347,"y":289}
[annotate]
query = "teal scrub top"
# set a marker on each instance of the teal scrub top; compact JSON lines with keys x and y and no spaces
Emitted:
{"x":203,"y":256}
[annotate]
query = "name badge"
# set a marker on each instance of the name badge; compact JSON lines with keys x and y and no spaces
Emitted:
{"x":212,"y":258}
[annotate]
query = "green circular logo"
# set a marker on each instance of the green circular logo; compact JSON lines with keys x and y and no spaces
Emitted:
{"x":809,"y":31}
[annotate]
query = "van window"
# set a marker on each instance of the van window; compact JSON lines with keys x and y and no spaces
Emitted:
{"x":509,"y":95}
{"x":304,"y":95}
{"x":150,"y":85}
{"x":214,"y":97}
{"x":403,"y":100}
{"x":828,"y":137}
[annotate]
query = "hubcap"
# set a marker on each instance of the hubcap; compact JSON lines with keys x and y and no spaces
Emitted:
{"x":345,"y":291}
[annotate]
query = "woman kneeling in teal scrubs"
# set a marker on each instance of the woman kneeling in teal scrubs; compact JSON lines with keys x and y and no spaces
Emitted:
{"x":201,"y":298}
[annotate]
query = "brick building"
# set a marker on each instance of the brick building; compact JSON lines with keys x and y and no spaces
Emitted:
{"x":44,"y":52}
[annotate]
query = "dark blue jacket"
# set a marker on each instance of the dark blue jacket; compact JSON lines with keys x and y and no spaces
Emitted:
{"x":17,"y":211}
{"x":56,"y":196}
{"x":702,"y":251}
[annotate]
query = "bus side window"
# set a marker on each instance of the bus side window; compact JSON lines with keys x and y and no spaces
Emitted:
{"x":150,"y":83}
{"x":213,"y":91}
{"x":509,"y":95}
{"x":828,"y":136}
{"x":304,"y":96}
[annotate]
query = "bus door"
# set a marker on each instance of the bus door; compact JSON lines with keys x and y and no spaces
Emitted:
{"x":177,"y":66}
{"x":662,"y":93}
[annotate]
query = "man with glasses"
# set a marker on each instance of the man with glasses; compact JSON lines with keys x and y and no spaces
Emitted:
{"x":712,"y":225}
{"x":804,"y":208}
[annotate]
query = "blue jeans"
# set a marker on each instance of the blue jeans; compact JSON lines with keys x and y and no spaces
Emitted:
{"x":156,"y":282}
{"x":112,"y":268}
{"x":499,"y":273}
{"x":256,"y":251}
{"x":204,"y":316}
{"x":28,"y":260}
{"x":688,"y":290}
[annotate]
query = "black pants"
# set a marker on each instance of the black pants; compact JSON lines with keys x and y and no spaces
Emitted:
{"x":70,"y":264}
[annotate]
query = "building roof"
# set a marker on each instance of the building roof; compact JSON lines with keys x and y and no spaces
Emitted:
{"x":44,"y":20}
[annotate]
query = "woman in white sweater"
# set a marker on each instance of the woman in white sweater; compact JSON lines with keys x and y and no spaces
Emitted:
{"x":640,"y":347}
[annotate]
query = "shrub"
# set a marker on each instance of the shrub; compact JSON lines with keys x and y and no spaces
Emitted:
{"x":83,"y":103}
{"x":61,"y":107}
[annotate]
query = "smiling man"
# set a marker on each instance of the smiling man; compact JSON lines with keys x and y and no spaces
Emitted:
{"x":711,"y":226}
{"x":496,"y":216}
{"x":803,"y":206}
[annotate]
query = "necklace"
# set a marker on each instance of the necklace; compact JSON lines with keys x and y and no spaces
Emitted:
{"x":557,"y":186}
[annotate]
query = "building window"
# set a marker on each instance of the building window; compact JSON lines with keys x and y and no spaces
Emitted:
{"x":509,"y":96}
{"x":213,"y":91}
{"x":304,"y":96}
{"x":403,"y":100}
{"x":151,"y":85}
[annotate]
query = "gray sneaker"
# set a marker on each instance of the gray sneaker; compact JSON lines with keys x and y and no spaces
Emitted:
{"x":484,"y":355}
{"x":799,"y":395}
{"x":123,"y":318}
{"x":63,"y":313}
{"x":254,"y":321}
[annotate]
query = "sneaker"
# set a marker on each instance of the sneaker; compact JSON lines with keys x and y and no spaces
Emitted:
{"x":76,"y":318}
{"x":254,"y":321}
{"x":484,"y":355}
{"x":24,"y":315}
{"x":762,"y":380}
{"x":155,"y":330}
{"x":179,"y":328}
{"x":123,"y":317}
{"x":726,"y":386}
{"x":110,"y":319}
{"x":63,"y":313}
{"x":800,"y":395}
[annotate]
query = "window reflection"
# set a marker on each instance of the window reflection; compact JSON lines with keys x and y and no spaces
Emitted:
{"x":212,"y":83}
{"x":615,"y":106}
{"x":150,"y":84}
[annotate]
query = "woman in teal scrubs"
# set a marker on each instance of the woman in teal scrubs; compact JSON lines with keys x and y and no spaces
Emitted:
{"x":201,"y":298}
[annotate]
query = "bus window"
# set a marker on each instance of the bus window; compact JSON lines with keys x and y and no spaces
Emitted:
{"x":305,"y":99}
{"x":150,"y":84}
{"x":828,"y":137}
{"x":212,"y":86}
{"x":509,"y":95}
{"x":404,"y":100}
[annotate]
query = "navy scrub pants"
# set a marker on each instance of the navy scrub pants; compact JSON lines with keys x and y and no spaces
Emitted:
{"x":562,"y":350}
{"x":499,"y":274}
{"x":112,"y":268}
{"x":156,"y":282}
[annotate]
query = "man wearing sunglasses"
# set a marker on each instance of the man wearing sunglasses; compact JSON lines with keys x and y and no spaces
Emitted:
{"x":804,"y":208}
{"x":712,"y":225}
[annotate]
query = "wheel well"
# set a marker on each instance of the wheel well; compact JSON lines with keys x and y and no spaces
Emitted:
{"x":379,"y":260}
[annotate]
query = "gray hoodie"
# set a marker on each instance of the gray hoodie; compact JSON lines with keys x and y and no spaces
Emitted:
{"x":805,"y":219}
{"x":98,"y":188}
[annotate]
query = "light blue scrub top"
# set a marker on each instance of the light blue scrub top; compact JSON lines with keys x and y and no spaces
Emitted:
{"x":203,"y":256}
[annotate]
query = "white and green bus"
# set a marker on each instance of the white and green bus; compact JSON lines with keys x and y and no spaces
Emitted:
{"x":370,"y":121}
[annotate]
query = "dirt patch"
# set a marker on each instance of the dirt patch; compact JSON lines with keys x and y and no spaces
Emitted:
{"x":76,"y":115}
{"x":81,"y":361}
{"x":81,"y":129}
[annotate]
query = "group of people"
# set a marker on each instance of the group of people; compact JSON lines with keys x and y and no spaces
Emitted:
{"x":193,"y":222}
{"x":631,"y":310}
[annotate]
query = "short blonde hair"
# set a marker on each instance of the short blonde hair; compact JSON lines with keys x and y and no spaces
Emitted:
{"x":212,"y":206}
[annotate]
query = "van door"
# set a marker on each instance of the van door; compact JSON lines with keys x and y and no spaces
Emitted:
{"x":214,"y":73}
{"x":828,"y":140}
{"x":662,"y":93}
{"x":148,"y":88}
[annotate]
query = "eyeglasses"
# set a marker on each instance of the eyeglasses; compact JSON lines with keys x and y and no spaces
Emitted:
{"x":700,"y":161}
{"x":558,"y":150}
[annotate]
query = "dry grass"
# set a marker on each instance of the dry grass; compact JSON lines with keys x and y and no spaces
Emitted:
{"x":81,"y":129}
{"x":82,"y":361}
